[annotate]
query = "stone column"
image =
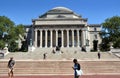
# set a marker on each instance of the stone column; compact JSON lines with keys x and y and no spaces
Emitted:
{"x":88,"y":36}
{"x":67,"y":38}
{"x":41,"y":38}
{"x":72,"y":38}
{"x":51,"y":35}
{"x":35,"y":38}
{"x":62,"y":39}
{"x":56,"y":37}
{"x":78,"y":39}
{"x":83,"y":38}
{"x":46,"y":38}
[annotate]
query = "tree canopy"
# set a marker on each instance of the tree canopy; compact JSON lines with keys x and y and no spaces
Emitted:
{"x":111,"y":31}
{"x":9,"y":32}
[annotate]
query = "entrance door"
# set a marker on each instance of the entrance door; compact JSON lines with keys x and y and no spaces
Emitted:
{"x":59,"y":42}
{"x":95,"y":43}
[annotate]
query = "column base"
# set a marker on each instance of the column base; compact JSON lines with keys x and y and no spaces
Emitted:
{"x":68,"y":46}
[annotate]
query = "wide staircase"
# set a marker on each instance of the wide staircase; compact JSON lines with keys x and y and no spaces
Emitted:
{"x":63,"y":67}
{"x":64,"y":53}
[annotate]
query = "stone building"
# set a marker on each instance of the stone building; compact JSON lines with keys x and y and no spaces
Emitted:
{"x":62,"y":27}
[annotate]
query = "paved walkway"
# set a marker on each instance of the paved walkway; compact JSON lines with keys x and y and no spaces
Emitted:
{"x":69,"y":76}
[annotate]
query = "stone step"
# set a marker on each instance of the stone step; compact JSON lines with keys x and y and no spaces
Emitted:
{"x":61,"y":67}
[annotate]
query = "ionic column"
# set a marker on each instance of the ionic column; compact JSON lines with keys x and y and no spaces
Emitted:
{"x":78,"y":42}
{"x":72,"y":38}
{"x":51,"y":35}
{"x":35,"y":38}
{"x":41,"y":38}
{"x":56,"y":37}
{"x":46,"y":38}
{"x":62,"y":39}
{"x":67,"y":38}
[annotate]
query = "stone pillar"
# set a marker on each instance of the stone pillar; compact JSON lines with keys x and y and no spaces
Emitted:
{"x":35,"y":38}
{"x":87,"y":40}
{"x":83,"y":38}
{"x":67,"y":38}
{"x":78,"y":39}
{"x":46,"y":38}
{"x":72,"y":38}
{"x":56,"y":37}
{"x":41,"y":38}
{"x":62,"y":39}
{"x":51,"y":36}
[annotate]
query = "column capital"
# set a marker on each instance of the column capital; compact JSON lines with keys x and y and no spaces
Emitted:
{"x":67,"y":29}
{"x":56,"y":30}
{"x":41,"y":29}
{"x":72,"y":29}
{"x":36,"y":30}
{"x":46,"y":29}
{"x":78,"y":29}
{"x":62,"y":30}
{"x":51,"y":30}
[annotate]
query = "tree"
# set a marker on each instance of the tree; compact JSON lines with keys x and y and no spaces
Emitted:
{"x":111,"y":31}
{"x":9,"y":32}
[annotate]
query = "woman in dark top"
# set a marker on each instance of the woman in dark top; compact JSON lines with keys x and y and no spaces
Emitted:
{"x":76,"y":67}
{"x":11,"y":64}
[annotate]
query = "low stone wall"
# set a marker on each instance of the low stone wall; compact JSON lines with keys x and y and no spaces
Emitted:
{"x":115,"y":50}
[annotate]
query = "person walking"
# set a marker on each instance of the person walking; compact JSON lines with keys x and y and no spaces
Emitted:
{"x":11,"y":64}
{"x":76,"y":68}
{"x":99,"y":55}
{"x":44,"y":56}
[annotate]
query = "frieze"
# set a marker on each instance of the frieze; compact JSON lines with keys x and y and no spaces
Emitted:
{"x":59,"y":27}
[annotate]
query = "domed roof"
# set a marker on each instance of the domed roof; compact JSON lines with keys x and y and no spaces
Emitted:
{"x":61,"y":10}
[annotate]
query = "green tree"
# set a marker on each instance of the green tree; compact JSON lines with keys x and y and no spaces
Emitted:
{"x":111,"y":32}
{"x":9,"y":33}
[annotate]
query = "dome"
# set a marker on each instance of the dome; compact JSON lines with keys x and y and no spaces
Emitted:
{"x":61,"y":9}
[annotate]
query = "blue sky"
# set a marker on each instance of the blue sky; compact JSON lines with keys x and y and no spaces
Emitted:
{"x":23,"y":11}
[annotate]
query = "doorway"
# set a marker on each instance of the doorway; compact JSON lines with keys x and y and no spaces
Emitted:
{"x":59,"y":42}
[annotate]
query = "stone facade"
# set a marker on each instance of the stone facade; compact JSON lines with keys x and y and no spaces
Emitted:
{"x":62,"y":27}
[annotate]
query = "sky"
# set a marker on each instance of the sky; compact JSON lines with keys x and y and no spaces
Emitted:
{"x":23,"y":11}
